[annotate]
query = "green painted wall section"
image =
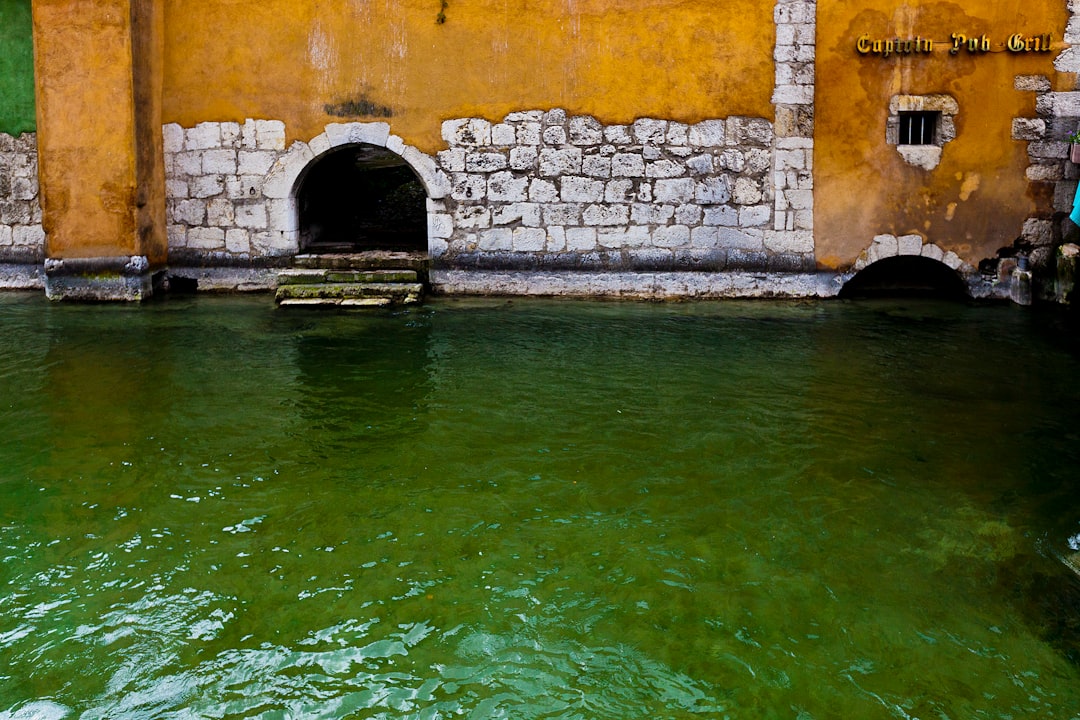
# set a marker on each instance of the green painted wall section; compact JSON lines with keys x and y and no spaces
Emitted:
{"x":16,"y":68}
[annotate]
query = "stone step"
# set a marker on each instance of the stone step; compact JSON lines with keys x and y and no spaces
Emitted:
{"x":310,"y":276}
{"x":338,"y":293}
{"x":337,"y":302}
{"x":371,"y":260}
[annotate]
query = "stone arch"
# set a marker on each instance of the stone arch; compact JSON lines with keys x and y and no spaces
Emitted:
{"x":910,"y":253}
{"x":284,"y":178}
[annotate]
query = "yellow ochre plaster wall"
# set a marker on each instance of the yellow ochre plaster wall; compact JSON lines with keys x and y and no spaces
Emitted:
{"x":311,"y":63}
{"x":977,"y":199}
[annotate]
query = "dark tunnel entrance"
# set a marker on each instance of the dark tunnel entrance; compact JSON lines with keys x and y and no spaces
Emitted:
{"x":362,"y":197}
{"x":906,"y":276}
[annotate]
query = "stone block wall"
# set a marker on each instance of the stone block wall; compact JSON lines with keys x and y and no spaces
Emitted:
{"x":216,"y":210}
{"x":21,"y":238}
{"x":542,"y":189}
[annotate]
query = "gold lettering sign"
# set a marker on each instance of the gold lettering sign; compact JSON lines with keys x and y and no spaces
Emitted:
{"x":958,"y":43}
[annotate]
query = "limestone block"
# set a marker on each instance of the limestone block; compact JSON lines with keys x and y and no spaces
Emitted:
{"x":177,"y":236}
{"x":437,"y":246}
{"x":704,"y":237}
{"x":707,"y":133}
{"x":644,"y":192}
{"x":555,"y":116}
{"x":485,"y":162}
{"x":28,"y":236}
{"x":626,"y":237}
{"x":580,"y":238}
{"x":651,"y":214}
{"x":201,"y":238}
{"x":247,"y":135}
{"x":319,"y":144}
{"x":932,"y":251}
{"x":472,"y":216}
{"x":24,"y":188}
{"x":671,"y":236}
{"x":605,"y":215}
{"x":556,"y":239}
{"x":700,"y":164}
{"x":251,"y":215}
{"x":496,"y":239}
{"x":528,"y":214}
{"x":219,"y":162}
{"x":467,"y":131}
{"x":581,"y":189}
{"x":529,"y":239}
{"x":618,"y":134}
{"x":237,"y":240}
{"x":554,"y":135}
{"x":505,"y":186}
{"x":652,"y":152}
{"x":203,"y":136}
{"x":804,"y":219}
{"x":884,"y":246}
{"x":525,"y":116}
{"x":286,"y":169}
{"x":627,"y":165}
{"x":754,"y":215}
{"x":189,"y":212}
{"x":440,"y":225}
{"x":596,"y":166}
{"x":586,"y":130}
{"x":568,"y":214}
{"x":675,"y":190}
{"x":723,"y":215}
{"x":172,"y":136}
{"x":1044,"y":172}
{"x":952,"y":260}
{"x":542,"y":191}
{"x":712,"y":191}
{"x":785,"y":34}
{"x":619,"y":191}
{"x":5,"y":235}
{"x":689,"y":214}
{"x":746,"y":192}
{"x":273,"y":244}
{"x":220,"y":212}
{"x":1062,"y":104}
{"x":789,"y":242}
{"x":175,"y":188}
{"x":528,"y":133}
{"x":230,"y":134}
{"x":664,"y":168}
{"x":733,"y":160}
{"x":1028,"y":129}
{"x":800,"y":199}
{"x":188,"y":163}
{"x":678,"y":134}
{"x":790,"y":159}
{"x":909,"y":245}
{"x":648,"y":131}
{"x":282,"y":215}
{"x":206,"y":186}
{"x":468,"y":187}
{"x":245,"y":186}
{"x":734,"y":239}
{"x":523,"y":158}
{"x":1036,"y":83}
{"x":270,"y":134}
{"x":1038,"y":232}
{"x":503,"y":134}
{"x":554,"y":162}
{"x":253,"y":163}
{"x":395,"y":144}
{"x":1046,"y":150}
{"x":14,"y":213}
{"x":793,"y":95}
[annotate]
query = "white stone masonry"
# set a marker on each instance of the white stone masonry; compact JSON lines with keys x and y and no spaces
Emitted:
{"x":21,"y":237}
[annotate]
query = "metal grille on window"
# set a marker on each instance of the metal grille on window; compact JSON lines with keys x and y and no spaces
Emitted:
{"x":917,"y":128}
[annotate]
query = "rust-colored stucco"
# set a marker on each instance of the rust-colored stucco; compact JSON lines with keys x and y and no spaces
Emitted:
{"x":98,"y":198}
{"x":978,"y":197}
{"x":390,"y":60}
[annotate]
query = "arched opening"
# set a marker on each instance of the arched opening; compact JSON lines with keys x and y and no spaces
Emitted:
{"x":906,"y":276}
{"x":361,"y":197}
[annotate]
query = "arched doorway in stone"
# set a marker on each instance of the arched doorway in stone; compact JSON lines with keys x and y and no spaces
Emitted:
{"x":906,"y":276}
{"x":359,"y":197}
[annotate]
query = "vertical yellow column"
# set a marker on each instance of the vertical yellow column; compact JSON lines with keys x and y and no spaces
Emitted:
{"x":98,"y":74}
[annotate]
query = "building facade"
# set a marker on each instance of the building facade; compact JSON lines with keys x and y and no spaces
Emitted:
{"x":656,"y":148}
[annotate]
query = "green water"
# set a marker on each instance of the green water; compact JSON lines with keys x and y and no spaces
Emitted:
{"x":213,"y":508}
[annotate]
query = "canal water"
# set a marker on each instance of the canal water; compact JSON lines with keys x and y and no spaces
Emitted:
{"x":212,"y":508}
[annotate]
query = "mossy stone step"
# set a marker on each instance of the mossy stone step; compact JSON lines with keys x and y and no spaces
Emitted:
{"x":403,"y":293}
{"x":371,"y":260}
{"x":309,"y":276}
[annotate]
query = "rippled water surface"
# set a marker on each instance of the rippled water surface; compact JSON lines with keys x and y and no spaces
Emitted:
{"x":212,"y":508}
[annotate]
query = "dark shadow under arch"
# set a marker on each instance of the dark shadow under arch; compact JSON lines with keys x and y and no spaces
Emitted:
{"x":906,"y":276}
{"x":361,"y":197}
